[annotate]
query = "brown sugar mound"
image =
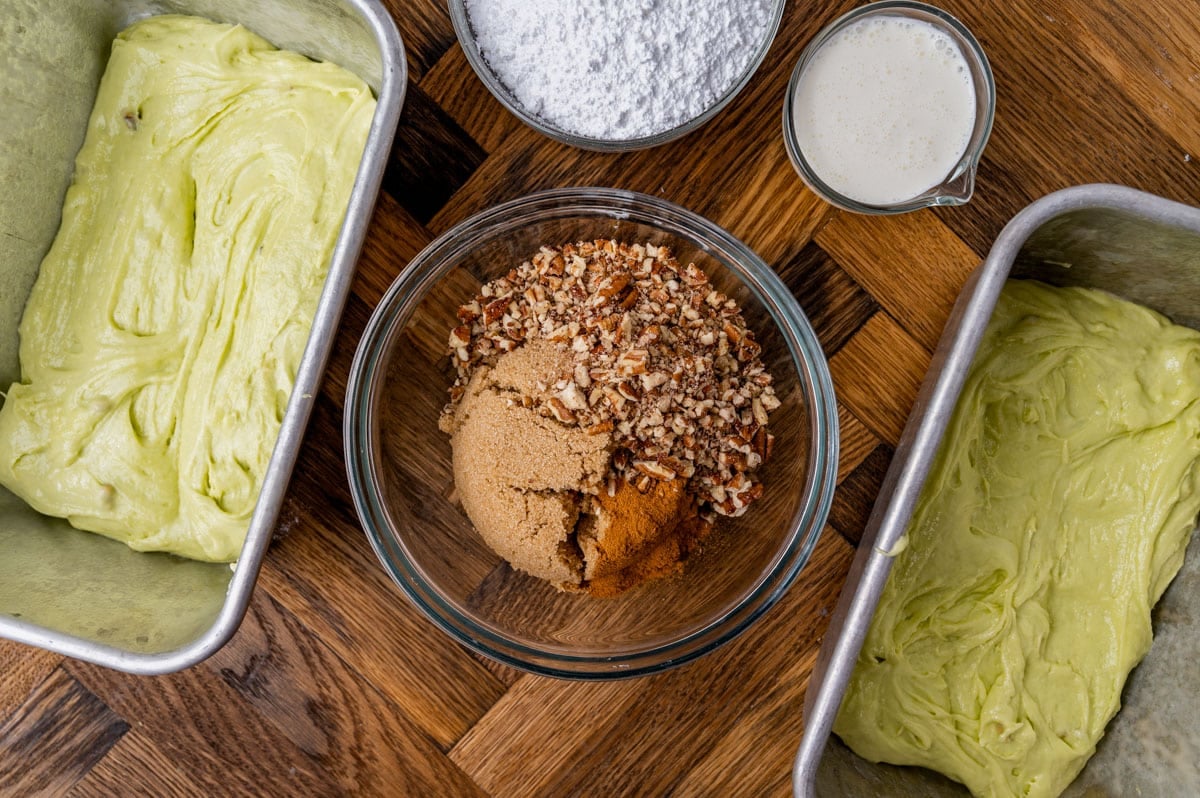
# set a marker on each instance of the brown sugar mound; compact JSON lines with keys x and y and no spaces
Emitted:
{"x":521,"y":476}
{"x":535,"y":488}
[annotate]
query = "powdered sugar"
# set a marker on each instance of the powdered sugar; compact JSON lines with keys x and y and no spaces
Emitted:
{"x":618,"y":69}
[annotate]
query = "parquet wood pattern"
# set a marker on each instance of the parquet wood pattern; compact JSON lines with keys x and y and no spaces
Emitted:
{"x":334,"y":685}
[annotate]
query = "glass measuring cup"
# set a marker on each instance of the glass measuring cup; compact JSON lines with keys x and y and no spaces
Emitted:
{"x":958,"y":184}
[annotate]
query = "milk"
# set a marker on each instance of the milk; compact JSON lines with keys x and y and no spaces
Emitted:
{"x":885,"y":109}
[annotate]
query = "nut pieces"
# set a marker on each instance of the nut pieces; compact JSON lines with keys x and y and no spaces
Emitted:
{"x":663,"y":362}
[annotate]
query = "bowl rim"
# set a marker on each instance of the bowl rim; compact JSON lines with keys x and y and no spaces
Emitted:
{"x":389,"y":319}
{"x":460,"y":19}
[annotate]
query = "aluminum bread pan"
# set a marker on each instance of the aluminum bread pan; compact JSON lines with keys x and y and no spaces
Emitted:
{"x":1132,"y":244}
{"x":81,"y":594}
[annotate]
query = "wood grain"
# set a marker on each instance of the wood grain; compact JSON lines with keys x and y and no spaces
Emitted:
{"x":856,"y":443}
{"x":356,"y":734}
{"x":57,"y":735}
{"x":135,"y":765}
{"x":23,"y":669}
{"x":912,"y":263}
{"x":336,"y":685}
{"x":856,"y":494}
{"x":201,"y":724}
{"x":877,"y":374}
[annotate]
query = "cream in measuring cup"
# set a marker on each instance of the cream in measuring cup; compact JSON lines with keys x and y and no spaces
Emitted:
{"x":885,"y":108}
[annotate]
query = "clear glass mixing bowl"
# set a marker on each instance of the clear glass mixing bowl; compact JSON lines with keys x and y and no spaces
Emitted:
{"x":401,"y":477}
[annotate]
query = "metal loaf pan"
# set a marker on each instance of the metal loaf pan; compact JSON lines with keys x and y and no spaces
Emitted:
{"x":1135,"y":245}
{"x":74,"y":592}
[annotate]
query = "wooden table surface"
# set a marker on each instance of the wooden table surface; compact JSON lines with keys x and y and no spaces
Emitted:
{"x":334,"y":684}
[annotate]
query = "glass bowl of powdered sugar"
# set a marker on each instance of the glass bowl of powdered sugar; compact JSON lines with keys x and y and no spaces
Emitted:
{"x":615,"y":75}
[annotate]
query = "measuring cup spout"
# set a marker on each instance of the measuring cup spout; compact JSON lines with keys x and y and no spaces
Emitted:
{"x":958,"y":190}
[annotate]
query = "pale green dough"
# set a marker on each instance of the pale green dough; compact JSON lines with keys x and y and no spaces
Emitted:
{"x":161,"y":340}
{"x":1056,"y":514}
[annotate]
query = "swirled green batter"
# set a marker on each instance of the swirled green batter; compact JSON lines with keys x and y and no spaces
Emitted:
{"x":1057,"y":512}
{"x":162,"y":337}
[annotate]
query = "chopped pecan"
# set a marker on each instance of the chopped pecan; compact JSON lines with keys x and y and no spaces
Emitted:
{"x":659,"y":359}
{"x":560,"y":410}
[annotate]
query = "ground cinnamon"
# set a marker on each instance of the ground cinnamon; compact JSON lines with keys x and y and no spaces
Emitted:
{"x":638,"y":536}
